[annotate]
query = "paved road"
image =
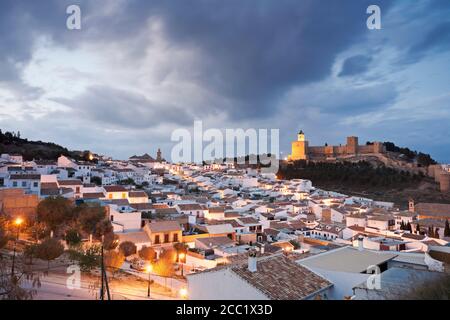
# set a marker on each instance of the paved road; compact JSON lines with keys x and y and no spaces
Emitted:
{"x":53,"y":287}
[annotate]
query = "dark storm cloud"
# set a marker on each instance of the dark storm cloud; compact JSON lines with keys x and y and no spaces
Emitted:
{"x":254,"y":51}
{"x":247,"y":55}
{"x":355,"y":65}
{"x":251,"y":52}
{"x":124,"y":109}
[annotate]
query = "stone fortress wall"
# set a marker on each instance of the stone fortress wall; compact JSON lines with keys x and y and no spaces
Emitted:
{"x":441,"y":175}
{"x":302,"y":151}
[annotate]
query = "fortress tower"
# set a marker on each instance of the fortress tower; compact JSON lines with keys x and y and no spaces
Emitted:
{"x":352,"y":145}
{"x":299,"y":148}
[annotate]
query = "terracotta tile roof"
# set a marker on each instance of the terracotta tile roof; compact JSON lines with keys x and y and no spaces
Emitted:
{"x":25,"y":177}
{"x":50,"y":192}
{"x":280,"y":278}
{"x":166,"y":211}
{"x":433,"y":209}
{"x":190,"y":207}
{"x":141,"y":206}
{"x":137,"y":194}
{"x":115,"y":189}
{"x":70,"y":182}
{"x":164,"y":226}
{"x":216,"y":209}
{"x":413,"y":236}
{"x":212,"y":242}
{"x":93,"y":195}
{"x":49,"y":185}
{"x":271,"y":232}
{"x":234,"y":223}
{"x":248,"y":220}
{"x":232,"y":214}
{"x":159,"y":206}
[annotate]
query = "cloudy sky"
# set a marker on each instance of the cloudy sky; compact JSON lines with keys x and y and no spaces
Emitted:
{"x":137,"y":70}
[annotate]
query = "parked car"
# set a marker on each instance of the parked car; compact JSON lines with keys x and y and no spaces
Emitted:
{"x":137,"y":264}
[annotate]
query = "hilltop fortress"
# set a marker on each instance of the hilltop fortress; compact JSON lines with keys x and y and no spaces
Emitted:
{"x":301,"y":150}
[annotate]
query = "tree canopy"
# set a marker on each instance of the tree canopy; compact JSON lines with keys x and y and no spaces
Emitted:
{"x":54,"y":211}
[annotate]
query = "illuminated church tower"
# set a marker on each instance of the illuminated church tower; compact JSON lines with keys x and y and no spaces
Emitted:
{"x":299,"y":148}
{"x":158,"y":155}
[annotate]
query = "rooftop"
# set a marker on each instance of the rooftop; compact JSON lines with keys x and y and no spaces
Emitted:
{"x":280,"y":278}
{"x":347,"y":259}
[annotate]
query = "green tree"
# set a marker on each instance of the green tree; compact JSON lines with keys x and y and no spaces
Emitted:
{"x":30,"y":251}
{"x":88,"y":259}
{"x":39,"y":230}
{"x":96,"y":180}
{"x":164,"y":266}
{"x":73,"y":237}
{"x":446,"y":229}
{"x":49,"y":250}
{"x":89,"y":216}
{"x":408,"y":227}
{"x":3,"y":235}
{"x":110,"y":241}
{"x":147,"y":253}
{"x":113,"y":260}
{"x":54,"y":211}
{"x":128,"y":248}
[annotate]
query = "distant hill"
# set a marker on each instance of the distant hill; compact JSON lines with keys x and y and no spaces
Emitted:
{"x":11,"y":142}
{"x":422,"y":159}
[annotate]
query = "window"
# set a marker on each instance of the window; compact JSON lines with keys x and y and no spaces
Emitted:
{"x":77,"y":189}
{"x":24,"y":184}
{"x":175,"y":237}
{"x":14,"y":183}
{"x":124,"y":195}
{"x":157,"y":240}
{"x":110,"y":196}
{"x":112,"y":217}
{"x":35,"y":184}
{"x":166,"y":238}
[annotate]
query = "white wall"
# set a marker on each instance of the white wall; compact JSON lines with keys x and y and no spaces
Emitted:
{"x":343,"y":282}
{"x":221,"y":285}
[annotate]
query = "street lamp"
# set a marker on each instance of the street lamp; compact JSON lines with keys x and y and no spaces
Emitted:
{"x":17,"y":223}
{"x":183,"y":293}
{"x":181,"y":257}
{"x":149,"y":269}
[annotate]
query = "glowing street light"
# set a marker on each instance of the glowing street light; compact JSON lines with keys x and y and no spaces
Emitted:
{"x":17,"y":222}
{"x":149,"y":269}
{"x":183,"y":293}
{"x":181,"y":257}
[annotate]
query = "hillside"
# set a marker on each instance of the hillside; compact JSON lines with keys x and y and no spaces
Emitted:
{"x":364,"y":179}
{"x":11,"y":142}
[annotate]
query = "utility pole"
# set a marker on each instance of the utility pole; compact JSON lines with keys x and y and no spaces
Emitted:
{"x":17,"y":222}
{"x":104,"y":280}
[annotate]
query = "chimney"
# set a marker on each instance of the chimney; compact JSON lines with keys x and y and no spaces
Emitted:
{"x":252,"y":261}
{"x":360,"y":243}
{"x":252,"y":264}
